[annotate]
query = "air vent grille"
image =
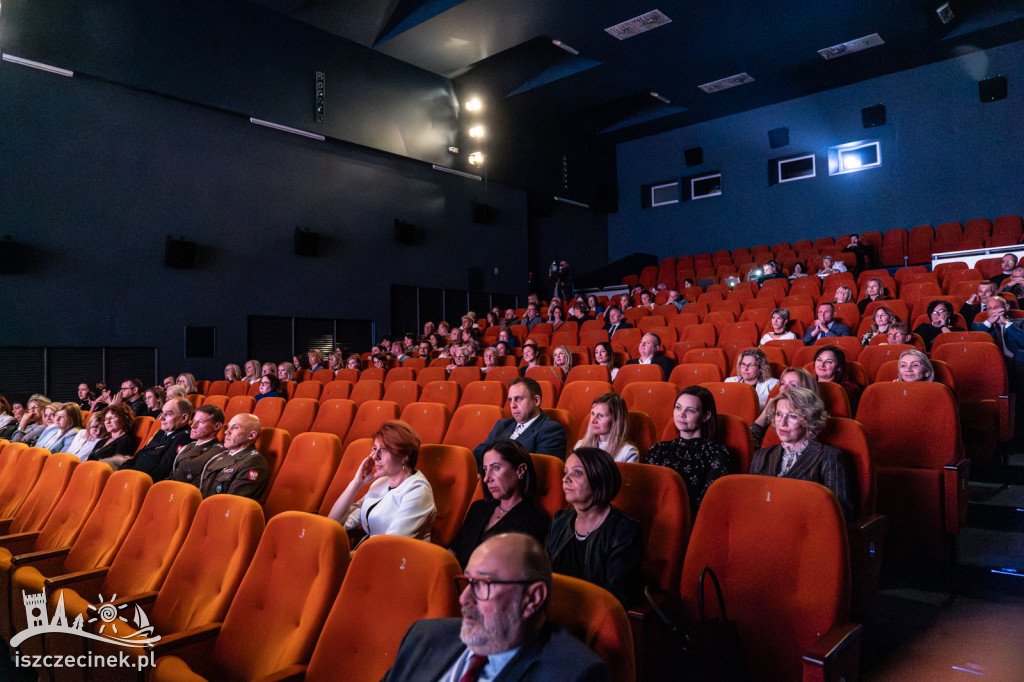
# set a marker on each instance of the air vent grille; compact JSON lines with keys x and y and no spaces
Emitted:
{"x":638,"y":25}
{"x":726,"y":83}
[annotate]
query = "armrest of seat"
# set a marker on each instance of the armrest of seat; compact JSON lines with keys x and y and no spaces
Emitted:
{"x":5,"y":525}
{"x":34,"y":557}
{"x":293,"y":673}
{"x":19,"y":543}
{"x":835,"y":655}
{"x":202,"y":635}
{"x":1007,"y":405}
{"x":59,"y":581}
{"x":140,"y":598}
{"x":954,"y":490}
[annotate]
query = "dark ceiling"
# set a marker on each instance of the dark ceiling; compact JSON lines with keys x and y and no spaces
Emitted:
{"x":504,"y":49}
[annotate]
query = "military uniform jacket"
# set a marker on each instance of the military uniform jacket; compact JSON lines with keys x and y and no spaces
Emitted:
{"x":243,"y":473}
{"x":188,"y":465}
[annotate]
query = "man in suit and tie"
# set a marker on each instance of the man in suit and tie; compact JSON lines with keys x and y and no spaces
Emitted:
{"x":614,"y":321}
{"x":1008,"y":335}
{"x":188,"y":464}
{"x":826,"y":325}
{"x":978,"y":302}
{"x":503,"y":633}
{"x":528,"y":425}
{"x":157,"y":457}
{"x":531,"y":318}
{"x":649,"y":345}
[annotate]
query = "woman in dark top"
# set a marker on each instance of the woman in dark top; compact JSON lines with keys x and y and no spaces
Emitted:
{"x":269,"y":384}
{"x":509,"y":481}
{"x":940,"y":314}
{"x":593,"y":540}
{"x":830,"y":365}
{"x":121,"y":445}
{"x":694,"y":456}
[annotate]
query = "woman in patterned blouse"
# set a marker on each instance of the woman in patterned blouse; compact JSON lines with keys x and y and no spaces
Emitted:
{"x":694,"y":455}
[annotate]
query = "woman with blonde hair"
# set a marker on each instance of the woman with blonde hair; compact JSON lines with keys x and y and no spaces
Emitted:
{"x":561,"y":357}
{"x":753,"y":369}
{"x":232,"y":373}
{"x":67,"y":420}
{"x":881,"y":319}
{"x":286,"y":372}
{"x":844,"y":294}
{"x":914,"y":365}
{"x":188,"y":381}
{"x":253,"y":371}
{"x":608,"y":428}
{"x":89,"y":438}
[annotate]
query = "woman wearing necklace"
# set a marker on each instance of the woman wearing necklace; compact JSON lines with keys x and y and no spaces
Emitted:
{"x":509,"y":481}
{"x":593,"y":540}
{"x":400,"y":501}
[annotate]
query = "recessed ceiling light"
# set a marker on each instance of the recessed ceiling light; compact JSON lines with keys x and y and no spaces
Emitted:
{"x":726,"y":83}
{"x":638,"y":25}
{"x":851,"y":46}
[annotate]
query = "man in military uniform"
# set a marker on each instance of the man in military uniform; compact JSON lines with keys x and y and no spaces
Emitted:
{"x":238,"y":469}
{"x":188,"y":465}
{"x":157,"y":457}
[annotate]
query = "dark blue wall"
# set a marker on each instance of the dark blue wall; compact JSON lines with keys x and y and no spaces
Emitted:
{"x":945,"y":157}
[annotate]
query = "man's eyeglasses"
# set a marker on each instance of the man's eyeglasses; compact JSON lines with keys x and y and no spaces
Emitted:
{"x":482,"y":586}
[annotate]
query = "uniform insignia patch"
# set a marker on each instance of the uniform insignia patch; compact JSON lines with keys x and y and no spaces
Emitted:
{"x":253,"y":474}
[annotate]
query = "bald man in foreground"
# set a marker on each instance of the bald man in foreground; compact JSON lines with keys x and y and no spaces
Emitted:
{"x":503,"y":634}
{"x":238,"y":469}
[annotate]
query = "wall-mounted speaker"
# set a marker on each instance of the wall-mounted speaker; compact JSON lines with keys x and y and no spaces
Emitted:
{"x":991,"y":89}
{"x":13,"y":256}
{"x":483,"y":214}
{"x":407,"y":233}
{"x":200,"y":342}
{"x":307,"y":242}
{"x":694,"y":156}
{"x":873,"y":116}
{"x":778,"y":137}
{"x":180,"y":253}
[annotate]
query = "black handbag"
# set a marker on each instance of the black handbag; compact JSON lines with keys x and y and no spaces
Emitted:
{"x":705,"y":649}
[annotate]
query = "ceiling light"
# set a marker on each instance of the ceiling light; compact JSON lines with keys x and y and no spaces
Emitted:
{"x":726,"y":83}
{"x":567,"y":48}
{"x":660,"y":97}
{"x":851,"y":46}
{"x":37,"y":65}
{"x":945,"y":13}
{"x":476,"y":131}
{"x":638,"y":25}
{"x":476,"y":158}
{"x":473,"y":105}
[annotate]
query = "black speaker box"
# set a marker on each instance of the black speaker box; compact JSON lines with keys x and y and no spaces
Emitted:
{"x":991,"y":89}
{"x":180,"y":254}
{"x":483,"y":214}
{"x":307,"y":242}
{"x":200,"y":342}
{"x":406,"y":233}
{"x":873,"y":116}
{"x":778,"y":137}
{"x":694,"y":156}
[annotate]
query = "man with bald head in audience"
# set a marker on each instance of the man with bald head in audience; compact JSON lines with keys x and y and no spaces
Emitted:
{"x":648,"y":348}
{"x":503,"y":633}
{"x":157,"y":457}
{"x":237,"y":469}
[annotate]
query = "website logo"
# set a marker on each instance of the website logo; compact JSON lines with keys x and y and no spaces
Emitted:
{"x":112,"y":627}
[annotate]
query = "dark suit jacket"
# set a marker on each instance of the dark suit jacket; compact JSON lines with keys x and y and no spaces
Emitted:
{"x":157,"y":457}
{"x":659,"y":360}
{"x":430,"y":647}
{"x":836,"y":329}
{"x":622,"y":325}
{"x":818,"y":463}
{"x":969,"y":311}
{"x":544,"y":437}
{"x":1013,"y":337}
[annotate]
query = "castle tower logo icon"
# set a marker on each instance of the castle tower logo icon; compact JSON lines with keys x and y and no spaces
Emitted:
{"x":108,"y":625}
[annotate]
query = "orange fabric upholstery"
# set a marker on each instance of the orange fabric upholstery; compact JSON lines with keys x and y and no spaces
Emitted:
{"x":269,"y":411}
{"x":298,"y":415}
{"x":735,"y":398}
{"x":452,"y":472}
{"x":471,"y":423}
{"x":402,"y":392}
{"x":354,"y":454}
{"x":20,"y":475}
{"x":633,"y":373}
{"x":429,"y":420}
{"x":305,"y":475}
{"x":369,"y":418}
{"x":445,"y":392}
{"x":982,"y":395}
{"x":44,"y":494}
{"x":484,"y":393}
{"x":655,"y":398}
{"x":588,"y":373}
{"x":334,"y":416}
{"x":337,"y":389}
{"x":308,"y":389}
{"x":597,"y":618}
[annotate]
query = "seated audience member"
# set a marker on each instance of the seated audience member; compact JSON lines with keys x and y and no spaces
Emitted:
{"x":531,"y":356}
{"x":189,"y":461}
{"x":89,"y":438}
{"x":237,"y":469}
{"x":286,"y":372}
{"x":175,"y":391}
{"x":67,"y":420}
{"x":1008,"y":263}
{"x":649,"y":345}
{"x":978,"y":301}
{"x":18,"y":411}
{"x":188,"y":380}
{"x":605,"y":356}
{"x":428,"y":328}
{"x":335,"y":361}
{"x":32,"y":422}
{"x":608,"y":428}
{"x":830,"y":365}
{"x":676,"y":299}
{"x":508,"y":482}
{"x":556,"y":316}
{"x":503,"y":633}
{"x":646,"y":300}
{"x":874,"y":290}
{"x":594,"y":305}
{"x":85,"y":395}
{"x":531,"y":318}
{"x":528,"y":425}
{"x":897,"y":333}
{"x":316,"y":359}
{"x":490,"y":360}
{"x":799,"y":270}
{"x":269,"y":385}
{"x":1014,"y":284}
{"x":508,"y":337}
{"x":102,"y":399}
{"x":157,"y":457}
{"x":510,"y":316}
{"x":121,"y":442}
{"x":697,"y":458}
{"x":168,"y":382}
{"x":940,"y":314}
{"x":688,"y":283}
{"x":493,"y":318}
{"x":769,"y":270}
{"x":354,"y":362}
{"x":861,"y":252}
{"x":753,"y":369}
{"x":791,"y":376}
{"x":50,"y":429}
{"x":8,"y":424}
{"x":461,"y":357}
{"x":779,"y":327}
{"x":798,"y":416}
{"x":267,"y":368}
{"x":400,"y":501}
{"x":825,"y":325}
{"x":881,"y":319}
{"x":501,"y":349}
{"x":613,"y":321}
{"x":380,"y":360}
{"x":1008,"y":336}
{"x":562,"y":359}
{"x":232,"y":373}
{"x":830,"y":266}
{"x":131,"y":393}
{"x":155,"y":398}
{"x":914,"y":365}
{"x":423,"y":349}
{"x":300,"y":361}
{"x":844,"y":294}
{"x":253,"y":371}
{"x":592,"y":540}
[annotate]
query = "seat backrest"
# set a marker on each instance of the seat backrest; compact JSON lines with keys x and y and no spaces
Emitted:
{"x":304,"y":557}
{"x":239,"y":404}
{"x":367,"y":389}
{"x":142,"y":429}
{"x":153,"y":542}
{"x":978,"y":369}
{"x":588,"y":373}
{"x":402,"y":392}
{"x":237,"y":388}
{"x":484,"y":393}
{"x":655,"y":398}
{"x":372,"y":374}
{"x":220,"y":401}
{"x":305,"y":475}
{"x":873,"y":357}
{"x":355,"y":452}
{"x":218,"y":387}
{"x":578,"y":396}
{"x":692,"y":373}
{"x":735,"y":398}
{"x":210,"y":565}
{"x":269,"y":411}
{"x":298,"y":415}
{"x":451,"y":471}
{"x":273,"y":445}
{"x":20,"y":476}
{"x":334,"y":416}
{"x":779,"y":548}
{"x":656,"y":497}
{"x":420,"y":579}
{"x":471,"y":424}
{"x":45,"y":493}
{"x":309,"y":389}
{"x":714,"y":356}
{"x":596,"y":617}
{"x":911,"y":424}
{"x":337,"y":389}
{"x":445,"y":392}
{"x":369,"y":418}
{"x":734,"y":434}
{"x":429,"y":420}
{"x":428,"y":374}
{"x":72,"y":510}
{"x":631,"y":373}
{"x":403,"y":373}
{"x":548,"y":495}
{"x":112,"y":518}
